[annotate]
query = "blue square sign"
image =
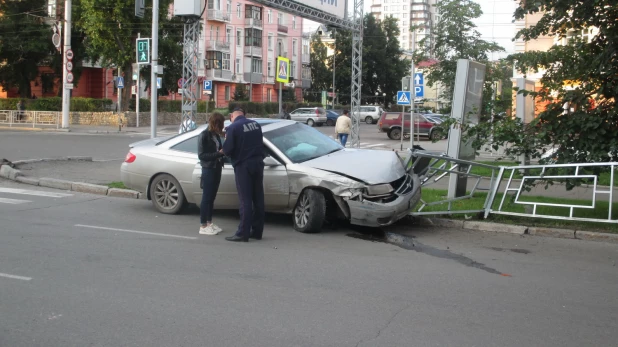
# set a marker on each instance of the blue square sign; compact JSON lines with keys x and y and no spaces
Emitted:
{"x":403,"y":98}
{"x":419,"y":91}
{"x":418,"y":78}
{"x":207,"y":85}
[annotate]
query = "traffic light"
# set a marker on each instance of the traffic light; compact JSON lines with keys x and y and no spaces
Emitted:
{"x":142,"y":46}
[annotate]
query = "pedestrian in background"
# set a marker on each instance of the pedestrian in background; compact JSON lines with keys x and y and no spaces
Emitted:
{"x":243,"y":144}
{"x":210,"y":153}
{"x":21,"y":107}
{"x":342,"y":127}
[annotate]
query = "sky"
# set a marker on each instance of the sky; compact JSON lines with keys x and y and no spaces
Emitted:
{"x":494,"y":25}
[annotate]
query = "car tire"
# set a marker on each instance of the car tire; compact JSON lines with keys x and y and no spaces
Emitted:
{"x":310,"y":212}
{"x":435,"y":135}
{"x":166,"y":194}
{"x":310,"y":122}
{"x":394,"y":134}
{"x":330,"y":122}
{"x":369,"y":120}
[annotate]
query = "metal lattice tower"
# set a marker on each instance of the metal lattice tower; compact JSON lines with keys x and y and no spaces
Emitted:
{"x":357,"y":73}
{"x":189,"y":72}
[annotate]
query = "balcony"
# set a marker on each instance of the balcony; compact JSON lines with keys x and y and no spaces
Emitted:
{"x":282,"y":28}
{"x":219,"y":74}
{"x":305,"y":58}
{"x":218,"y":46}
{"x":306,"y":83}
{"x":253,"y":51}
{"x":219,"y":16}
{"x":252,"y":77}
{"x":253,"y":22}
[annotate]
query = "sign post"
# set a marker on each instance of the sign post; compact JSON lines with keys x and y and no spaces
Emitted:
{"x":207,"y":87}
{"x":404,"y":99}
{"x":283,"y":76}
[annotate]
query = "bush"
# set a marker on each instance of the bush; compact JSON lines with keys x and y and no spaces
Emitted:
{"x":55,"y":104}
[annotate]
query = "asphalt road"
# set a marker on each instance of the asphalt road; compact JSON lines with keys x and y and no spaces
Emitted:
{"x":84,"y":270}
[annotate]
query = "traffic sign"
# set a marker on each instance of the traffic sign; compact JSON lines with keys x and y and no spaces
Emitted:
{"x":139,"y":8}
{"x":69,"y":66}
{"x":283,"y":70}
{"x":70,"y":77}
{"x":207,"y":85}
{"x":142,"y":47}
{"x":159,"y":82}
{"x":181,"y":83}
{"x":69,"y":54}
{"x":68,"y":85}
{"x":419,"y":92}
{"x":403,"y":98}
{"x":418,"y":78}
{"x":120,"y":82}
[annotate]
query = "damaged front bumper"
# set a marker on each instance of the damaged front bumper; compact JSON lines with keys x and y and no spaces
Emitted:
{"x":377,"y":214}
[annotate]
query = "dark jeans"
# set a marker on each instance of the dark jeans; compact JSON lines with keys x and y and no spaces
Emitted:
{"x":343,"y":138}
{"x":210,"y":185}
{"x":250,"y":185}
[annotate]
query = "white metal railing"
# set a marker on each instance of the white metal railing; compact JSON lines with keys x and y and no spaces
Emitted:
{"x":253,"y":22}
{"x":218,"y":46}
{"x":218,"y":15}
{"x":253,"y":51}
{"x":29,"y":118}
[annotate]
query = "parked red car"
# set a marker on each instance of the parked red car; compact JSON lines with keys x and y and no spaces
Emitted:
{"x":390,"y":123}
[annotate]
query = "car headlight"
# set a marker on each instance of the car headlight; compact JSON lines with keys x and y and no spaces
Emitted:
{"x":379,"y":189}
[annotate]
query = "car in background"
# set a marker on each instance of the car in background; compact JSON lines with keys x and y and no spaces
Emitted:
{"x":331,"y":117}
{"x":439,"y":118}
{"x":370,"y":114}
{"x":306,"y":174}
{"x":390,"y":123}
{"x":309,"y":115}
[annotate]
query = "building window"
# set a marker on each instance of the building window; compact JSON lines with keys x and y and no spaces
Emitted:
{"x":254,"y":12}
{"x":238,"y":10}
{"x":280,"y":19}
{"x":226,"y":61}
{"x":256,"y":65}
{"x":268,"y":97}
{"x":239,"y":38}
{"x":292,"y":69}
{"x":228,"y":35}
{"x":293,"y":22}
{"x":217,"y":34}
{"x":270,"y":16}
{"x":237,"y":65}
{"x":253,"y":37}
{"x":270,"y":69}
{"x":294,"y":46}
{"x":385,"y":8}
{"x":270,"y":42}
{"x":213,"y":60}
{"x":227,"y":93}
{"x":306,"y":74}
{"x":229,"y":7}
{"x":404,"y":8}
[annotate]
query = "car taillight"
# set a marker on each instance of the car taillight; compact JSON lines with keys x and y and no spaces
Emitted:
{"x":130,"y":158}
{"x":317,"y":113}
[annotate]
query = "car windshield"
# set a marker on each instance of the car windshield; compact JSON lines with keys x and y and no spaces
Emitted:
{"x":300,"y":142}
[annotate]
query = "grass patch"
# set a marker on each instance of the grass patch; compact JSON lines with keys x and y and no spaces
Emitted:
{"x":477,"y":202}
{"x":117,"y":185}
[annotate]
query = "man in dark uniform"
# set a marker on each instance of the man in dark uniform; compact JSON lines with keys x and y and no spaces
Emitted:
{"x":243,"y":144}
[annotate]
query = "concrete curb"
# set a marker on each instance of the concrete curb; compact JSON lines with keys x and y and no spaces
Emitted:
{"x":517,"y":229}
{"x":82,"y":187}
{"x":34,"y":129}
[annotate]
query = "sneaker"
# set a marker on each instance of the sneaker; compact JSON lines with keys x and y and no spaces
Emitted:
{"x":207,"y":231}
{"x":216,"y":228}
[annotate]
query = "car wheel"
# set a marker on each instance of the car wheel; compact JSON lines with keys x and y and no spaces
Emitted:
{"x":310,"y":212}
{"x":310,"y":122}
{"x":394,"y":134}
{"x":166,"y":194}
{"x":330,"y":122}
{"x":369,"y":120}
{"x":435,"y":136}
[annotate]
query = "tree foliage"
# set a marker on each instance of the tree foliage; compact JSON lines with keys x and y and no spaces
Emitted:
{"x":240,"y":93}
{"x":321,"y":75}
{"x":25,"y":43}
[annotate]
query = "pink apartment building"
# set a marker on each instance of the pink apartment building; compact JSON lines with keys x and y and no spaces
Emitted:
{"x":239,"y":43}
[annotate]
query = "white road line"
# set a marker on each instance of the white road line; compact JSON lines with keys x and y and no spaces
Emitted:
{"x":13,"y":201}
{"x":134,"y":231}
{"x":34,"y":192}
{"x":15,"y":277}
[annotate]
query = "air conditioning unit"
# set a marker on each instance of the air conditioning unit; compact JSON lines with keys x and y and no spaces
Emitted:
{"x":188,"y":8}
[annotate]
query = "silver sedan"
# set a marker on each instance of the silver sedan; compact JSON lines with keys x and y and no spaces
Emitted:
{"x":306,"y":173}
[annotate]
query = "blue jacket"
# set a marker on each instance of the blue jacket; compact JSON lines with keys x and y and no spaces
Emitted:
{"x":243,"y":141}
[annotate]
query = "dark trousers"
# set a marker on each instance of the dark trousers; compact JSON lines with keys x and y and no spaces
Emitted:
{"x":210,"y":185}
{"x":250,"y":185}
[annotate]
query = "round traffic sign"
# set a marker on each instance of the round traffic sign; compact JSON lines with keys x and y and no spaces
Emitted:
{"x":69,"y":54}
{"x":181,"y":83}
{"x":70,"y":77}
{"x":56,"y":40}
{"x":69,"y":66}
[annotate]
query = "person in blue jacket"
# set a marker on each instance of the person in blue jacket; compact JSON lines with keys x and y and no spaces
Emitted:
{"x":243,"y":145}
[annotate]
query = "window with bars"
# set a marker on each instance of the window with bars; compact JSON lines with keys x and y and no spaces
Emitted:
{"x":254,"y":12}
{"x":214,"y":60}
{"x":253,"y":37}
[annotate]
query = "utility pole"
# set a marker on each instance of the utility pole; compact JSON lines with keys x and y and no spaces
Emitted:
{"x":66,"y":92}
{"x":154,"y":67}
{"x":137,"y":93}
{"x":334,"y":66}
{"x":413,"y":90}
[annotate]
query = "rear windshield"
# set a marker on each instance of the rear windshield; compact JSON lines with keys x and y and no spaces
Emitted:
{"x":391,"y":116}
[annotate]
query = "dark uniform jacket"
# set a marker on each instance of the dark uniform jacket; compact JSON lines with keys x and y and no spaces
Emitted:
{"x":208,"y":145}
{"x":243,"y":141}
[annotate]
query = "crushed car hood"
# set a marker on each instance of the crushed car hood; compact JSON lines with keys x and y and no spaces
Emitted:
{"x":369,"y":166}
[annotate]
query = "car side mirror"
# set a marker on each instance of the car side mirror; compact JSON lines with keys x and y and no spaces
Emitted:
{"x":270,"y":161}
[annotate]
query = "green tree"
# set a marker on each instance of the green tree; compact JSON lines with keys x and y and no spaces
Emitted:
{"x":25,"y":43}
{"x":112,"y":28}
{"x":240,"y":93}
{"x":321,"y":75}
{"x":455,"y":37}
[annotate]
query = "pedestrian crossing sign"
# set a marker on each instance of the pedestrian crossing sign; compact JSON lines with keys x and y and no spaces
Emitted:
{"x":283,"y":70}
{"x":403,"y":98}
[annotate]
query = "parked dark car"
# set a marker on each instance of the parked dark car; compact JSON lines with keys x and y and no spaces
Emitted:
{"x":390,"y":123}
{"x":331,"y":117}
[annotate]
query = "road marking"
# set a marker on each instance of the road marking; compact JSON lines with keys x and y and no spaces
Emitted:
{"x":135,"y":231}
{"x":376,"y":145}
{"x":13,"y":201}
{"x":15,"y":277}
{"x":34,"y":192}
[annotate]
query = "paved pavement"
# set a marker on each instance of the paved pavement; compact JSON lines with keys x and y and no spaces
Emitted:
{"x":83,"y":270}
